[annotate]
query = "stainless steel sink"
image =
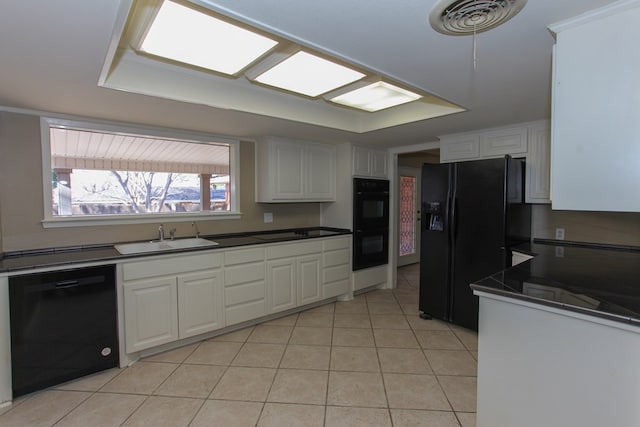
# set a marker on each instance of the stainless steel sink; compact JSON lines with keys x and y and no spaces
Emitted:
{"x":165,"y":245}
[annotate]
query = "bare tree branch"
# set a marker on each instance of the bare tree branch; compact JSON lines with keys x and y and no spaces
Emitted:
{"x":165,"y":190}
{"x":124,"y":183}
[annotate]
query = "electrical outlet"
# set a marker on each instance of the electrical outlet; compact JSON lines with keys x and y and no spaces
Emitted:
{"x":268,"y":217}
{"x":559,"y":252}
{"x":559,"y":233}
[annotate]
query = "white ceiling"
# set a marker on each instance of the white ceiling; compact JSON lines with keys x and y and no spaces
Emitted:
{"x":53,"y":54}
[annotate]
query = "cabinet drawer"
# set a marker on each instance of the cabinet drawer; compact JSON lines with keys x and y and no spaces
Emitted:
{"x":288,"y":250}
{"x":336,"y":243}
{"x":243,"y":293}
{"x":338,"y":257}
{"x":333,"y":274}
{"x":370,"y":277}
{"x":164,"y":266}
{"x":243,"y":256}
{"x":243,"y":312}
{"x":243,"y":273}
{"x":335,"y":288}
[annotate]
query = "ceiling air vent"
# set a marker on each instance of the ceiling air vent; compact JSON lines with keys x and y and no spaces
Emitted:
{"x":465,"y":17}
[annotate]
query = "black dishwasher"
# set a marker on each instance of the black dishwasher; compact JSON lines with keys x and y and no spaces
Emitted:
{"x":63,"y":326}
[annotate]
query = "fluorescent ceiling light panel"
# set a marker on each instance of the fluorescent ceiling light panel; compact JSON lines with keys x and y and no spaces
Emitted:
{"x":186,"y":35}
{"x":308,"y":74}
{"x":376,"y":96}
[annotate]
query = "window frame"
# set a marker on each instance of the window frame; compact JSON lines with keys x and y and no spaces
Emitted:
{"x":51,"y":221}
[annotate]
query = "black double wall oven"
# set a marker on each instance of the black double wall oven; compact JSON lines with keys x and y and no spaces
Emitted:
{"x":370,"y":222}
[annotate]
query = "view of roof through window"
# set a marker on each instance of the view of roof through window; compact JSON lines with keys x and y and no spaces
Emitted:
{"x":102,"y":173}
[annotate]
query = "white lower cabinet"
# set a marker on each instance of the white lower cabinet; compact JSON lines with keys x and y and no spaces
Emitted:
{"x":199,"y":303}
{"x":244,"y":285}
{"x":293,"y":275}
{"x":281,"y":282}
{"x":369,"y":277}
{"x":151,"y":313}
{"x":308,"y":269}
{"x":170,"y":298}
{"x":336,"y":266}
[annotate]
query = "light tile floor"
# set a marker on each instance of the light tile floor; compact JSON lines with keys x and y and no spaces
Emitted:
{"x":367,"y":362}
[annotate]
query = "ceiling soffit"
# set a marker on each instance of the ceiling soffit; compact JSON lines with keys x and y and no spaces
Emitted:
{"x":127,"y":70}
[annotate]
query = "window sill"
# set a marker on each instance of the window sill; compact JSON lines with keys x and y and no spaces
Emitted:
{"x":90,"y":221}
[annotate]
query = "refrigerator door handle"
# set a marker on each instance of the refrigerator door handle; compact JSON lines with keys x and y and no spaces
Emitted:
{"x":454,"y":218}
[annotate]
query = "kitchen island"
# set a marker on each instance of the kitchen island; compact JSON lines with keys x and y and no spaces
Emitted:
{"x":559,"y":339}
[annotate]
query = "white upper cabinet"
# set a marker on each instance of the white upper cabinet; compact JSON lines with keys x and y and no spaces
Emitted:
{"x":525,"y":140}
{"x":369,"y":162}
{"x":484,"y":144}
{"x":459,"y":147}
{"x":295,"y":171}
{"x":499,"y":142}
{"x":320,"y":172}
{"x":595,"y":142}
{"x":538,"y":182}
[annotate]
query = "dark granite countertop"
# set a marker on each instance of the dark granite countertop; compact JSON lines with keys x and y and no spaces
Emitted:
{"x":56,"y":257}
{"x":602,"y":281}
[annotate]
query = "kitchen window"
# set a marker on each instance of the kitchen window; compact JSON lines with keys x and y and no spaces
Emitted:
{"x":104,"y":173}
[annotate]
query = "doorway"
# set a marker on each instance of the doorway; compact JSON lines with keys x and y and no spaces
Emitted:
{"x":408,"y":215}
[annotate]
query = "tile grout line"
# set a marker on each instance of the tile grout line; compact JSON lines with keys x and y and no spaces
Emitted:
{"x":367,"y":301}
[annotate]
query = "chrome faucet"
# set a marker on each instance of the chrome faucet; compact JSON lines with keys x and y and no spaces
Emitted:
{"x":193,"y":224}
{"x":161,"y":233}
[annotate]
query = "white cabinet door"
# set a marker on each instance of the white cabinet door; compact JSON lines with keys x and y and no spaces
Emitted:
{"x":295,"y":171}
{"x":281,"y":284}
{"x":309,"y":281}
{"x":320,"y":172}
{"x":150,"y":312}
{"x":200,"y":303}
{"x":499,"y":142}
{"x":287,"y":172}
{"x":378,"y":163}
{"x":459,"y":147}
{"x":538,"y":165}
{"x":369,"y":162}
{"x":361,"y":165}
{"x":596,"y":108}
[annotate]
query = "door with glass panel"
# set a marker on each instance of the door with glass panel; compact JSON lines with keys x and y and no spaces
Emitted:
{"x":408,"y":216}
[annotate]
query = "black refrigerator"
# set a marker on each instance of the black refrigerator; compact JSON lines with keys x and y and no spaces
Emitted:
{"x":472,"y":212}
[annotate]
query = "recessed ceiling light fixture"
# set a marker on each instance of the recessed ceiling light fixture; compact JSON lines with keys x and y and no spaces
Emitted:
{"x":189,"y":36}
{"x":308,"y":74}
{"x":375,"y":97}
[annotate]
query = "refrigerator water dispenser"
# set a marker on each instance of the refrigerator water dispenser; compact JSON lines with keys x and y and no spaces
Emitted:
{"x":433,"y":216}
